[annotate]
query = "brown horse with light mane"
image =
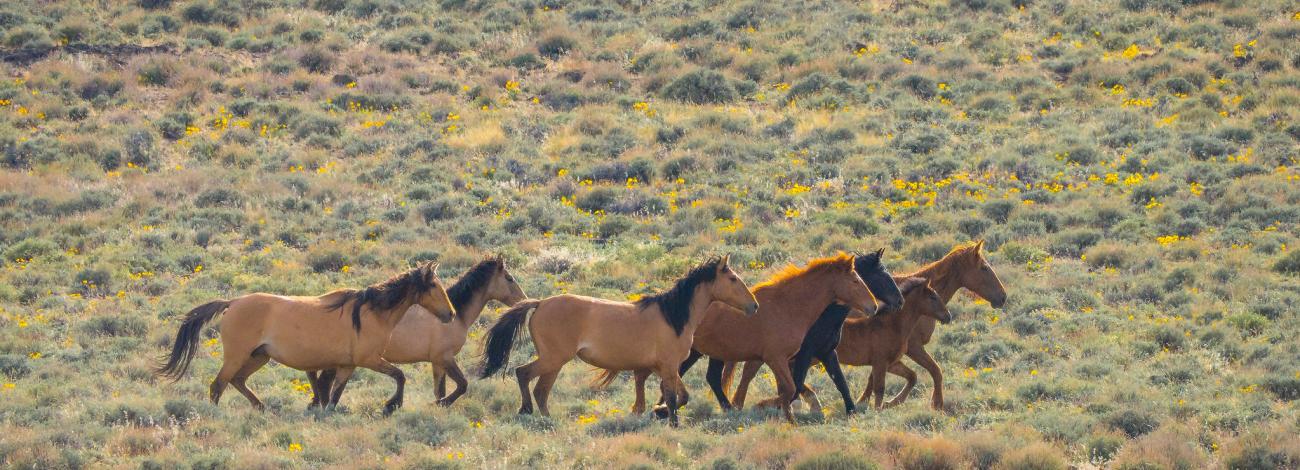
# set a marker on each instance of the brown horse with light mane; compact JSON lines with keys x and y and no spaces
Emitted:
{"x":792,"y":300}
{"x":309,"y":333}
{"x":652,"y":334}
{"x":419,"y":337}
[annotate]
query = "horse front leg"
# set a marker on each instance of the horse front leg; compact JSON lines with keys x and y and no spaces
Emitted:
{"x":394,"y":402}
{"x":831,"y":361}
{"x":714,"y":377}
{"x":785,"y":387}
{"x":453,"y":370}
{"x":922,"y":358}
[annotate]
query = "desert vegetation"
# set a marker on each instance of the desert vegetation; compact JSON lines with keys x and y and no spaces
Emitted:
{"x":1133,"y":167}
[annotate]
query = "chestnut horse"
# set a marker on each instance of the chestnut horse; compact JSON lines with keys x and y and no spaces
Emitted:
{"x":792,"y":299}
{"x":824,"y":335}
{"x":962,"y":268}
{"x":878,"y":342}
{"x":652,"y":334}
{"x":305,"y":334}
{"x":420,"y":338}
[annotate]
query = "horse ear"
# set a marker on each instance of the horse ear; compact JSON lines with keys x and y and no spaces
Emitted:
{"x":979,"y":246}
{"x":433,"y":271}
{"x":880,"y":253}
{"x":726,"y":260}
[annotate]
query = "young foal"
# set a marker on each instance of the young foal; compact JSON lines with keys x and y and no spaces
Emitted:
{"x":305,"y":334}
{"x":881,"y":341}
{"x":420,"y":338}
{"x":792,"y":299}
{"x":963,"y":267}
{"x":652,"y":334}
{"x":824,"y":335}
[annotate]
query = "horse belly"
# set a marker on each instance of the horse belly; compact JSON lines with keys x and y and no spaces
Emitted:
{"x":617,"y":356}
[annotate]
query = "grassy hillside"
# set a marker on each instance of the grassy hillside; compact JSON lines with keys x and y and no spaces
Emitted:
{"x":1132,"y":165}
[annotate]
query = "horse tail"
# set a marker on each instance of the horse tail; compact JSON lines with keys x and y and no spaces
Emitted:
{"x":604,"y":378}
{"x":502,"y":336}
{"x":187,"y":339}
{"x":728,"y":372}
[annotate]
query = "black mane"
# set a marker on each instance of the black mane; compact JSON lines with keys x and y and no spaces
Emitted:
{"x":675,"y":303}
{"x":384,"y":296}
{"x":476,"y":278}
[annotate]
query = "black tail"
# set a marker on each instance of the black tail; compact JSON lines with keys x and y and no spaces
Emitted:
{"x":187,"y":339}
{"x":502,"y":336}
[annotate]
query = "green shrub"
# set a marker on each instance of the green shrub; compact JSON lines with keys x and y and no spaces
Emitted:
{"x":1289,"y":263}
{"x":701,"y":87}
{"x":30,"y":248}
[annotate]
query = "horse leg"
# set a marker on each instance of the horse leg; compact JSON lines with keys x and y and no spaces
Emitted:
{"x":747,"y":374}
{"x":384,"y":367}
{"x":524,"y":374}
{"x":674,"y":390}
{"x":922,"y":357}
{"x":639,"y":387}
{"x":439,"y":381}
{"x":229,"y":367}
{"x":877,"y":384}
{"x":313,"y":379}
{"x":831,"y":361}
{"x":799,"y":371}
{"x":457,"y":376}
{"x":254,"y":363}
{"x":338,"y":382}
{"x":784,"y":385}
{"x":542,"y":391}
{"x":906,"y":373}
{"x":714,"y":377}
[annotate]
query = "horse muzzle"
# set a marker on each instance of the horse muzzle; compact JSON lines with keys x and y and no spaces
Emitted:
{"x":751,"y":309}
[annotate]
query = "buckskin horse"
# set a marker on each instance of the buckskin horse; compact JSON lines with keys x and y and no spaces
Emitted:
{"x":652,"y":334}
{"x":305,"y":333}
{"x":419,"y":337}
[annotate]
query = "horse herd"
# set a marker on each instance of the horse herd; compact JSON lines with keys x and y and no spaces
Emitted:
{"x":798,"y":317}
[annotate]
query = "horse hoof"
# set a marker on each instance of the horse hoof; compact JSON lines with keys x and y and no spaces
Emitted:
{"x":443,"y":402}
{"x":661,"y":412}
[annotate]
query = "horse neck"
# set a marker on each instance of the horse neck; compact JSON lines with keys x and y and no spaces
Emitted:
{"x":700,"y":300}
{"x":943,"y":276}
{"x":390,"y":318}
{"x":469,"y":313}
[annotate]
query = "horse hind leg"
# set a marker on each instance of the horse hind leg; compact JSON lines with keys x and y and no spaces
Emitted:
{"x":524,"y":374}
{"x":639,"y":387}
{"x":230,"y":367}
{"x":239,"y":381}
{"x":542,"y":391}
